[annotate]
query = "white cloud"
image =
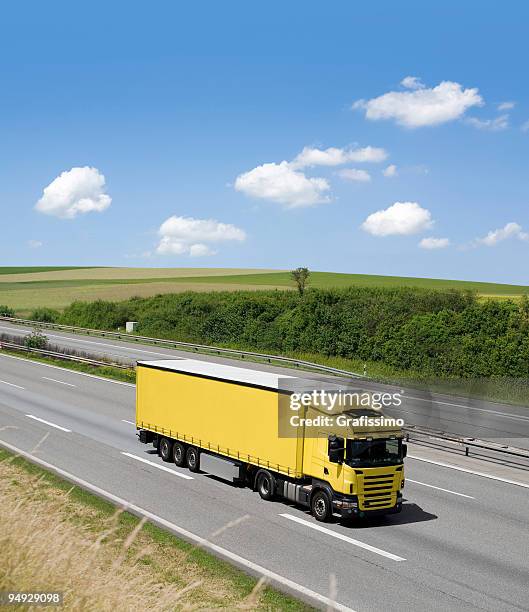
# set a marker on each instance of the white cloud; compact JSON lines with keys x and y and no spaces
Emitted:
{"x":281,"y":183}
{"x":510,"y":230}
{"x":334,"y":156}
{"x":411,"y":82}
{"x":200,"y":250}
{"x":188,"y":236}
{"x":422,"y":107}
{"x":434,"y":243}
{"x":493,"y":125}
{"x":287,"y":183}
{"x":352,"y":174}
{"x":34,"y":244}
{"x":503,"y":106}
{"x":402,"y":218}
{"x":525,"y":126}
{"x":74,"y":192}
{"x":390,"y":171}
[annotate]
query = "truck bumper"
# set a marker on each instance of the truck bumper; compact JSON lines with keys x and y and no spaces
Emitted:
{"x":347,"y":507}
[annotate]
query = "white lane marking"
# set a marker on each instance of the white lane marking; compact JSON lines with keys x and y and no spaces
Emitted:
{"x":496,"y":412}
{"x":157,"y":465}
{"x":4,"y":382}
{"x":130,"y":422}
{"x":241,"y":562}
{"x":36,"y":418}
{"x":115,"y":346}
{"x":61,"y":382}
{"x":460,"y":469}
{"x":47,"y":365}
{"x":345,"y":538}
{"x":424,"y":484}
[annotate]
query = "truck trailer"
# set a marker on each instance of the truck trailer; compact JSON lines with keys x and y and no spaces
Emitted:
{"x":235,"y":423}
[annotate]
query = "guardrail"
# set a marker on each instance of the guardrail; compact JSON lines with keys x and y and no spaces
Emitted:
{"x":431,"y":436}
{"x":188,"y":346}
{"x":46,"y":353}
{"x":421,"y":434}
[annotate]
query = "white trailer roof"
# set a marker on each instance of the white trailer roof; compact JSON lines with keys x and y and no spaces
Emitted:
{"x":220,"y":371}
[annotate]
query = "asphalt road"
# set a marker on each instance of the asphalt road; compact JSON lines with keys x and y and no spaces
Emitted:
{"x":457,"y":415}
{"x":460,"y":543}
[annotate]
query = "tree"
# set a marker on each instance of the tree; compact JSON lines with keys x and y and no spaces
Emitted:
{"x":300,"y":276}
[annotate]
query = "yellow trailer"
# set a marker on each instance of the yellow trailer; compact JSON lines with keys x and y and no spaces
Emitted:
{"x":237,"y":423}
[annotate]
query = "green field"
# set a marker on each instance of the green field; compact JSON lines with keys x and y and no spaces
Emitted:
{"x":27,"y":288}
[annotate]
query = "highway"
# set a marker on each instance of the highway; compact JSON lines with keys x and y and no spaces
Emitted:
{"x":460,"y":543}
{"x":463,"y":416}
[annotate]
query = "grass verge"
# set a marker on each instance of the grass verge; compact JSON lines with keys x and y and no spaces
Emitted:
{"x":58,"y":537}
{"x":128,"y":376}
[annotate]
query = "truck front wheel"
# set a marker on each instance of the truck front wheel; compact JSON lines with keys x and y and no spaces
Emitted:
{"x":321,"y":506}
{"x":193,"y":459}
{"x":179,"y":454}
{"x":166,"y":449}
{"x":266,"y":485}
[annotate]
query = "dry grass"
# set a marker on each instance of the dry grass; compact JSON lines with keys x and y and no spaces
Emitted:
{"x":101,"y":561}
{"x":26,"y":300}
{"x":125,"y":273}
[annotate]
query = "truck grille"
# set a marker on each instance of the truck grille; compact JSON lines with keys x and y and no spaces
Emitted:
{"x":378,"y":491}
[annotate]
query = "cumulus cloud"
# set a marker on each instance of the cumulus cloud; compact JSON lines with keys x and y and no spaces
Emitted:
{"x":352,"y":174}
{"x":434,"y":243}
{"x":75,"y":192}
{"x":284,"y":184}
{"x":411,"y":82}
{"x":390,"y":171}
{"x":189,"y":236}
{"x":34,"y":244}
{"x":287,"y":183}
{"x":503,"y":106}
{"x":421,"y":106}
{"x":493,"y":125}
{"x":402,"y":218}
{"x":510,"y":230}
{"x":334,"y":156}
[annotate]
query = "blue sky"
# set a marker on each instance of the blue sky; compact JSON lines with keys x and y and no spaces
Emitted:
{"x":188,"y":110}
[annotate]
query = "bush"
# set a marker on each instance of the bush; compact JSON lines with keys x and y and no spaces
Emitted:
{"x":440,"y":333}
{"x":36,"y":340}
{"x":5,"y":311}
{"x":98,"y":314}
{"x":45,"y":315}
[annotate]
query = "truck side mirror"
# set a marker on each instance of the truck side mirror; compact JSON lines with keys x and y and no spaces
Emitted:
{"x":404,"y":450}
{"x":336,"y":449}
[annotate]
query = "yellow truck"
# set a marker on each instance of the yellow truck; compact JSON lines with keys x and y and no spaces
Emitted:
{"x":242,"y":425}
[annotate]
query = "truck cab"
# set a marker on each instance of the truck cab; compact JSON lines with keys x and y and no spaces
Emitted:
{"x":365,"y":475}
{"x":360,"y":468}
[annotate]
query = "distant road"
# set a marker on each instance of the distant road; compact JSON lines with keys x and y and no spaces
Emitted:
{"x":460,"y":542}
{"x":458,"y":415}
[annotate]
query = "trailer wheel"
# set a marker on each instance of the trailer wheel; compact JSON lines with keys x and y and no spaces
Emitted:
{"x":193,"y":459}
{"x":320,"y":506}
{"x":266,"y":486}
{"x":166,"y":449}
{"x":179,"y":454}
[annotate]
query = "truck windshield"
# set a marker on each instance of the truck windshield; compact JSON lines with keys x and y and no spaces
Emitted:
{"x":364,"y":453}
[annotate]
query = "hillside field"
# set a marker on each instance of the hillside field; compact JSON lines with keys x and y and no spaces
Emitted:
{"x":27,"y":288}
